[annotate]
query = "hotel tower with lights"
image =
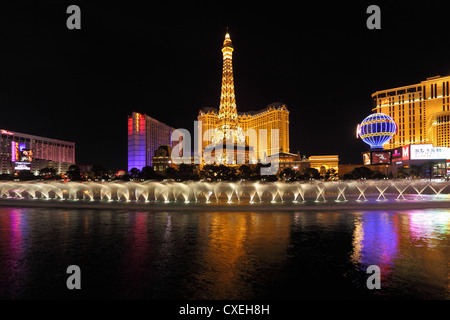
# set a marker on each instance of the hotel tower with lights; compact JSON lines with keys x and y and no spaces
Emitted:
{"x":228,"y":124}
{"x":421,"y":112}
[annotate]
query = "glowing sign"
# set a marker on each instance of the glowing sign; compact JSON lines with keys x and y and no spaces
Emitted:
{"x":22,"y":166}
{"x":120,"y":173}
{"x":405,"y":153}
{"x":137,"y":121}
{"x":396,"y":154}
{"x":366,"y":158}
{"x":14,"y":151}
{"x":428,"y":152}
{"x":9,"y":133}
{"x":358,"y":130}
{"x":26,"y":155}
{"x":381,"y":157}
{"x":377,"y":129}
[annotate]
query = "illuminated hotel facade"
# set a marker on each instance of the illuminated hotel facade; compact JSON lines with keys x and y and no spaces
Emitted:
{"x":20,"y":151}
{"x":421,"y":112}
{"x":145,"y":136}
{"x":270,"y":125}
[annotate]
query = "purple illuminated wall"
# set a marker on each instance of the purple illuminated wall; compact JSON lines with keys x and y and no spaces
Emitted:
{"x":145,"y":135}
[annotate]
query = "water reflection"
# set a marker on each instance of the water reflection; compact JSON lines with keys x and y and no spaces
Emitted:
{"x":224,"y":255}
{"x":235,"y":248}
{"x":375,"y":241}
{"x":411,"y":248}
{"x":13,"y":246}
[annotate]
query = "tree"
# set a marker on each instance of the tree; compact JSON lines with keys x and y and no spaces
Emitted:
{"x":244,"y":172}
{"x":98,"y":171}
{"x":26,"y":175}
{"x":402,"y":173}
{"x":187,"y":172}
{"x":311,"y":173}
{"x":5,"y":176}
{"x":331,"y":174}
{"x":48,"y":173}
{"x":74,"y":172}
{"x":207,"y":172}
{"x":256,"y":175}
{"x":416,"y":171}
{"x":134,"y":173}
{"x":148,"y":173}
{"x":362,"y":173}
{"x":287,"y":174}
{"x":378,"y":175}
{"x":224,"y":172}
{"x":428,"y":169}
{"x":171,"y":173}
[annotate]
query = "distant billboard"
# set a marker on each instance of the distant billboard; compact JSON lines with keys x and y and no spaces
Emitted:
{"x":14,"y":151}
{"x":17,"y":152}
{"x":26,"y":155}
{"x":366,"y":158}
{"x":405,"y":153}
{"x":397,"y":154}
{"x":428,"y":152}
{"x":20,"y":166}
{"x":381,"y":157}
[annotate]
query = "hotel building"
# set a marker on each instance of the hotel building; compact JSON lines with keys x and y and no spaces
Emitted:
{"x":324,"y":163}
{"x":421,"y":112}
{"x":145,"y":136}
{"x":227,"y":123}
{"x":19,"y":151}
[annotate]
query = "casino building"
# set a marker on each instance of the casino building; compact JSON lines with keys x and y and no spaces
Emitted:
{"x":269,"y":125}
{"x":421,"y":111}
{"x":422,"y":114}
{"x":20,"y":151}
{"x":254,"y":135}
{"x":145,"y":136}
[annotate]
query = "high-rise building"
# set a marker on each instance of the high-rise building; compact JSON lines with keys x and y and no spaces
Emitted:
{"x":421,"y":112}
{"x":145,"y":135}
{"x":20,"y":151}
{"x":270,"y":124}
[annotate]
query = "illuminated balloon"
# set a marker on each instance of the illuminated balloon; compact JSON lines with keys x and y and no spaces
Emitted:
{"x":376,"y":130}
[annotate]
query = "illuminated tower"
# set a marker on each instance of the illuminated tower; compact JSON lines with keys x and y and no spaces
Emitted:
{"x":227,"y":124}
{"x":247,"y":130}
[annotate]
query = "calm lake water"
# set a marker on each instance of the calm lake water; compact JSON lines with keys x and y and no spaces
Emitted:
{"x":223,"y":255}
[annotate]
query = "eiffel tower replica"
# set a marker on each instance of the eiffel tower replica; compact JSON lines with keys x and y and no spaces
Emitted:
{"x":228,"y":133}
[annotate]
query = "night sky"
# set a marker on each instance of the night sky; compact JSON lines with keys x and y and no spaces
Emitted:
{"x":164,"y":60}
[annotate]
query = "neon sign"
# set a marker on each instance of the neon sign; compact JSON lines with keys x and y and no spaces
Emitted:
{"x":14,"y":151}
{"x":377,"y":129}
{"x":396,"y":154}
{"x":358,"y":130}
{"x":9,"y":133}
{"x":405,"y":153}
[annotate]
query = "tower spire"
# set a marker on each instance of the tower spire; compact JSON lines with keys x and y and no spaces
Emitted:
{"x":227,"y":112}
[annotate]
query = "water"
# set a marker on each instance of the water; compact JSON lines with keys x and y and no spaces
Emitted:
{"x":226,"y":192}
{"x":295,"y":254}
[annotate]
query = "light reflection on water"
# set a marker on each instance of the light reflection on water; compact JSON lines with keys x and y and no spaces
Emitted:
{"x":224,"y":255}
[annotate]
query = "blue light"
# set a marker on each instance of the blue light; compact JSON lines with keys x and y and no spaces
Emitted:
{"x":377,"y":129}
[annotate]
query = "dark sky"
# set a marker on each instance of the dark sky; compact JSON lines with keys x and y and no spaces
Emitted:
{"x":165,"y":60}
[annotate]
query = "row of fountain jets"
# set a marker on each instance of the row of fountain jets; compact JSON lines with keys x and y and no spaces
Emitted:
{"x":227,"y":192}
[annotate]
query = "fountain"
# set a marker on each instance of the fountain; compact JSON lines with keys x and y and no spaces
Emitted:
{"x":237,"y":193}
